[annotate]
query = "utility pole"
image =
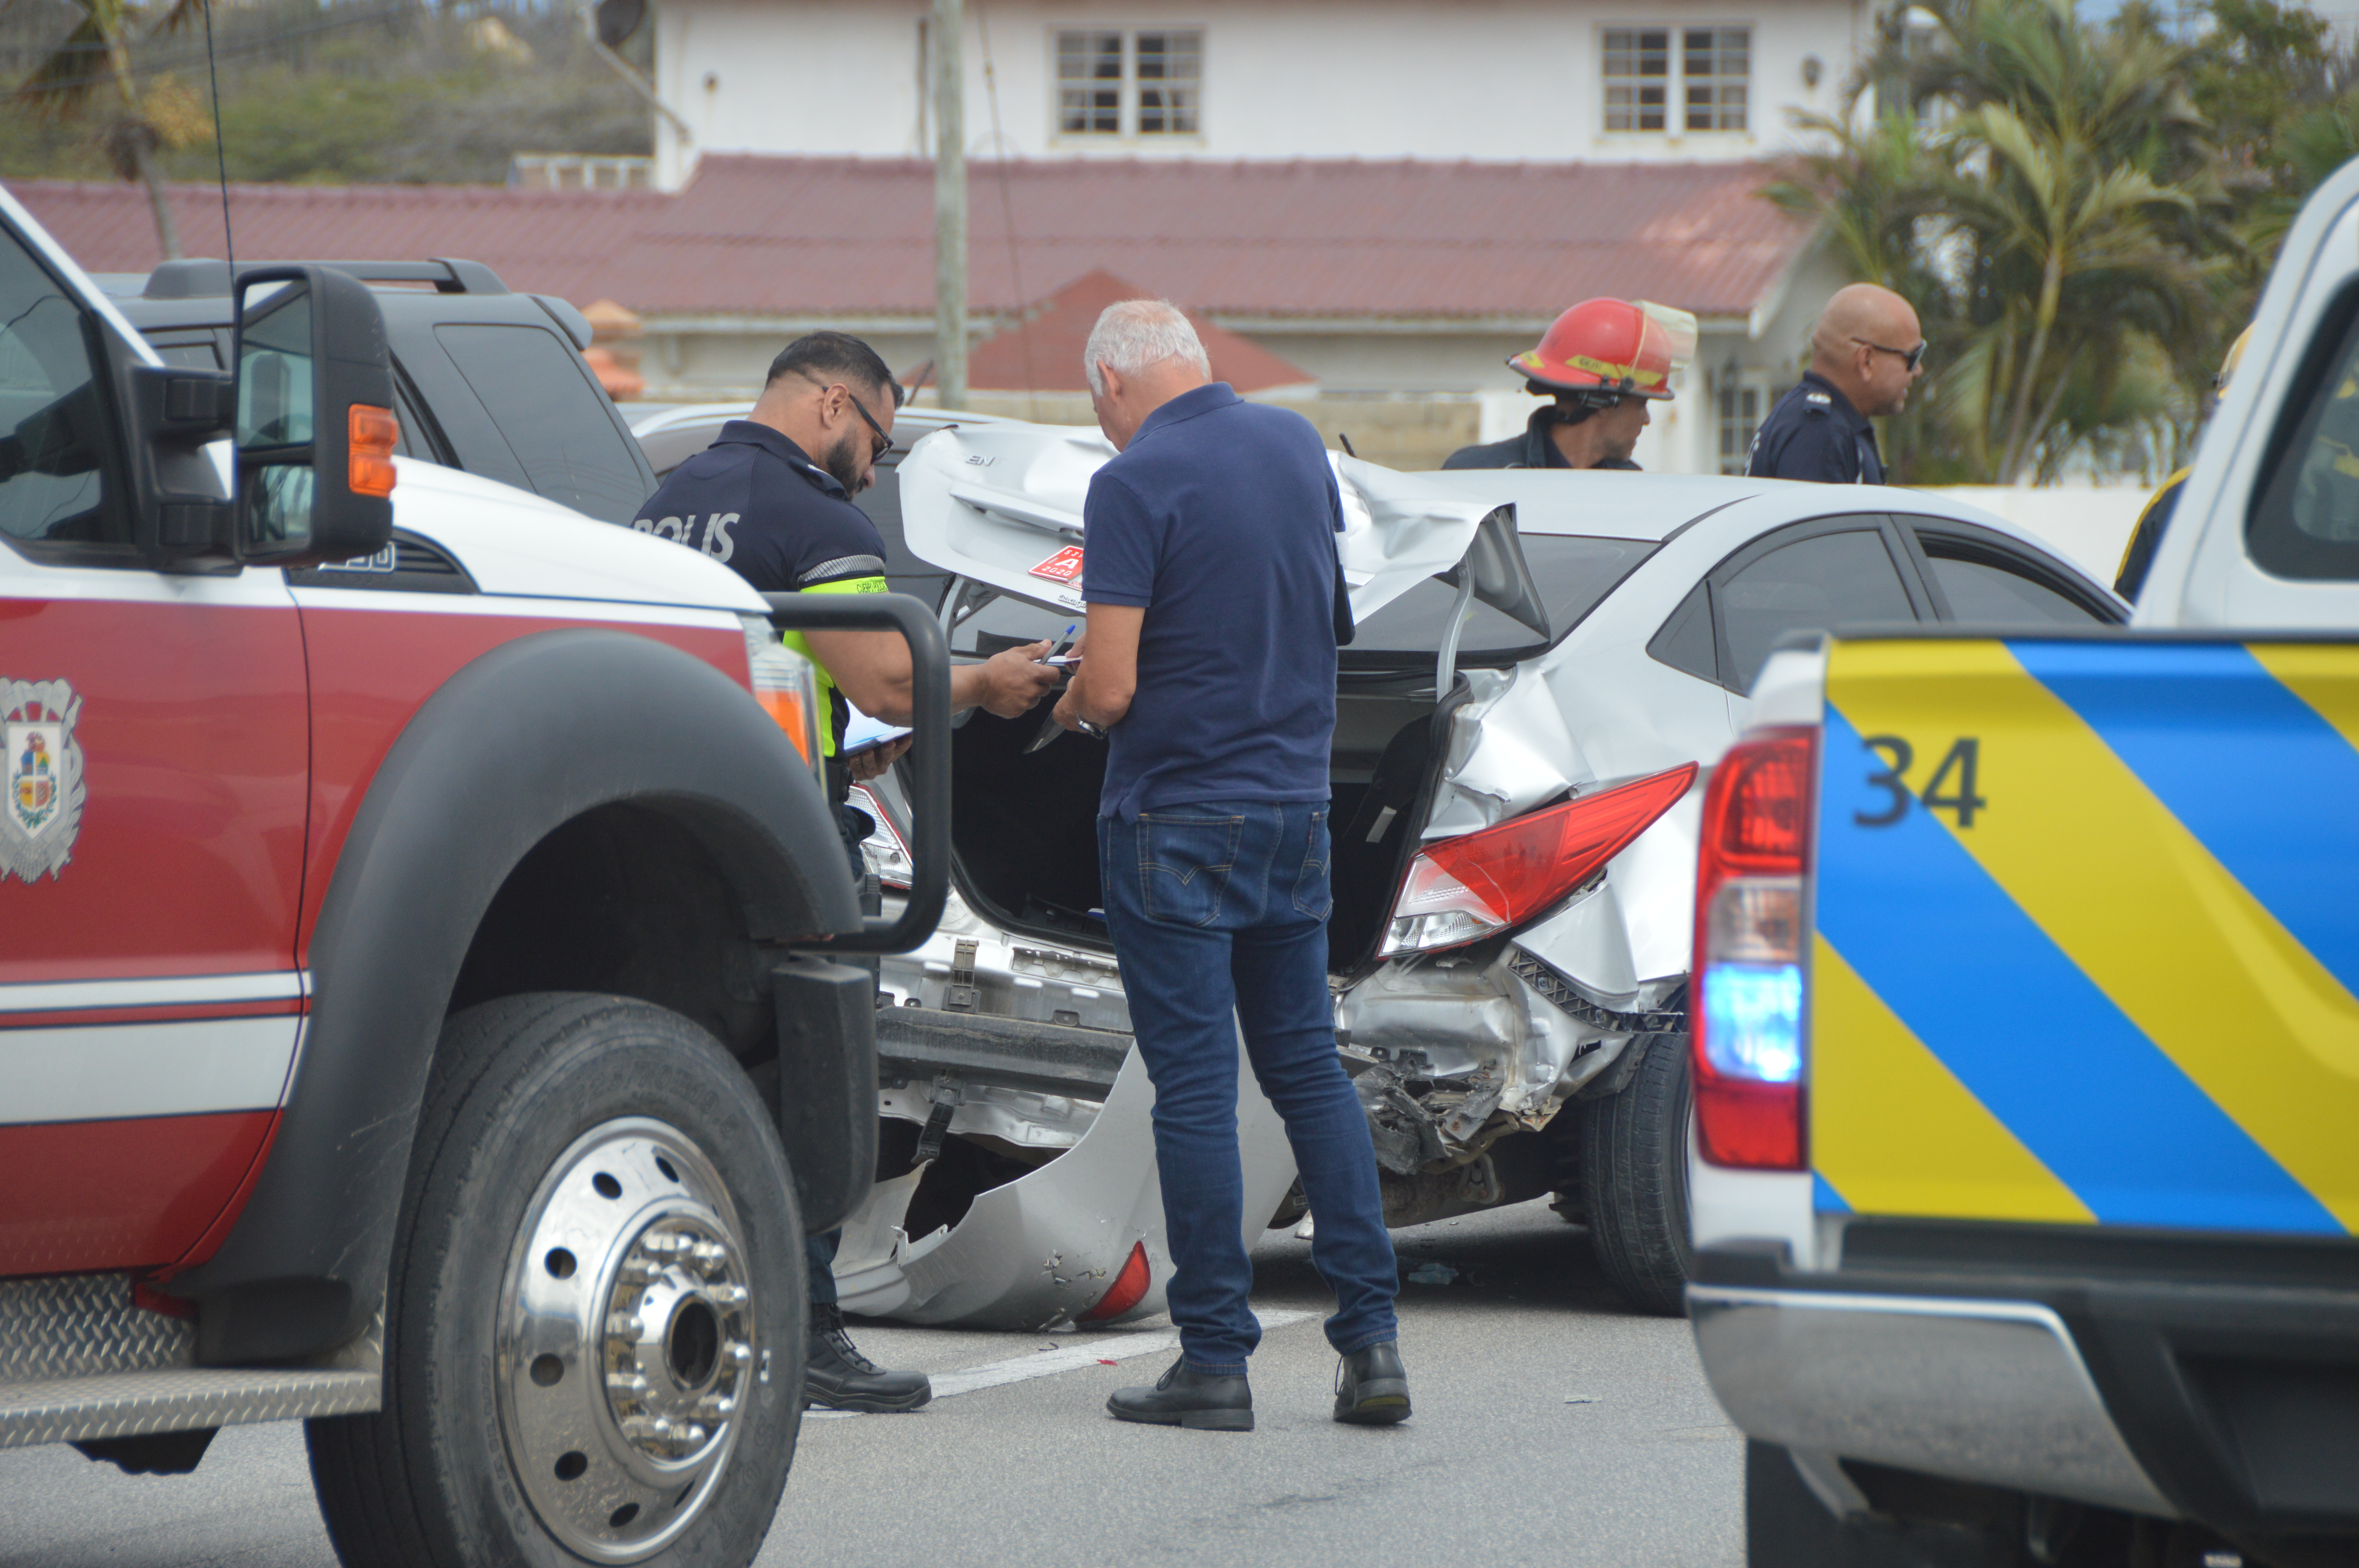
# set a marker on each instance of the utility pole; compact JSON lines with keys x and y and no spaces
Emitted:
{"x":949,"y":34}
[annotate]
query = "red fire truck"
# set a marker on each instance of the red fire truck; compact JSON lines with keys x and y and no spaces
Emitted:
{"x":419,"y":1011}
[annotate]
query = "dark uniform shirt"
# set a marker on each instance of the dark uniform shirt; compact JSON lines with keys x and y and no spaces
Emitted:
{"x":753,"y":502}
{"x":1532,"y":450}
{"x":1815,"y":432}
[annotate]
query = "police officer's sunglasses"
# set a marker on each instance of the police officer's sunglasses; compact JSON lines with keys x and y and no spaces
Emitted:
{"x":1912,"y":358}
{"x":883,"y":441}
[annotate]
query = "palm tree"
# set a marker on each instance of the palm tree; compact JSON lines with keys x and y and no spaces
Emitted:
{"x":2064,"y":174}
{"x":2060,"y":231}
{"x":71,"y":80}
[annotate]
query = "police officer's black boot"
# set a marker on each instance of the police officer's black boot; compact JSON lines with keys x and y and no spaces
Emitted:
{"x":836,"y":1375}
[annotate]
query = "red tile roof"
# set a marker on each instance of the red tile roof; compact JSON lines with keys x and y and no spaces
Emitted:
{"x":780,"y":236}
{"x":541,"y":242}
{"x":1043,"y":351}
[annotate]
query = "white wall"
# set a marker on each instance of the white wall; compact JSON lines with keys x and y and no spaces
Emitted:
{"x":1437,"y":80}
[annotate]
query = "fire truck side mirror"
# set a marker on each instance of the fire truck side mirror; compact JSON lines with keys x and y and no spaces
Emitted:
{"x":315,"y":424}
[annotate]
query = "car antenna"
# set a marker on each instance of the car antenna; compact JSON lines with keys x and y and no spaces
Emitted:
{"x":221,"y":157}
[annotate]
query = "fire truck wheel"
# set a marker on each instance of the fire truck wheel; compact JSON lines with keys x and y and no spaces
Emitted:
{"x":1634,"y":1160}
{"x":593,"y":1342}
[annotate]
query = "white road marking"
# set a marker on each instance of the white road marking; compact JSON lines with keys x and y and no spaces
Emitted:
{"x":1047,"y":1363}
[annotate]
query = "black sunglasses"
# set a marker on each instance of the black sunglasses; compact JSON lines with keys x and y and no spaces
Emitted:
{"x":883,"y":441}
{"x":1910,"y":357}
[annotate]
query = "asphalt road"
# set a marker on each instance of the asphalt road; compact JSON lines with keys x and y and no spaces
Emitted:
{"x":1552,"y":1427}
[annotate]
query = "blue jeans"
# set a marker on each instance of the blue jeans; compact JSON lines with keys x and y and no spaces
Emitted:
{"x":1219,"y":914}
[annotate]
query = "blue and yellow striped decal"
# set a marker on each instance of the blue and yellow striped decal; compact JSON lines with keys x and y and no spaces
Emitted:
{"x":2102,"y":968}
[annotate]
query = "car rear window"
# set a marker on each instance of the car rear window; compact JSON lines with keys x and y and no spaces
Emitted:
{"x":550,"y":416}
{"x":1573,"y":573}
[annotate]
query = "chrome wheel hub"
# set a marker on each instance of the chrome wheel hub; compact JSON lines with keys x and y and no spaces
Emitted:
{"x":627,"y":1341}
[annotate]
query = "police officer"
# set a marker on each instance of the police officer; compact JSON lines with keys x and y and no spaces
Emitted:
{"x":772,"y":498}
{"x":1603,"y":362}
{"x":1864,"y":354}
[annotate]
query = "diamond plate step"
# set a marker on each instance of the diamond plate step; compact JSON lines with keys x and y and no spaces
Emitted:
{"x":75,"y":1325}
{"x":131,"y":1404}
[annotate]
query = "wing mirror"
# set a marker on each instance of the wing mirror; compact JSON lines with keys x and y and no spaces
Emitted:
{"x":315,"y":424}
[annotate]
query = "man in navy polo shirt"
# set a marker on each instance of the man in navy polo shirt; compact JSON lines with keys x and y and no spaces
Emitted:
{"x":1211,"y":579}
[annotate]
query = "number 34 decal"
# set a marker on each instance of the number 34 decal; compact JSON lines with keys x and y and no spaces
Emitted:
{"x":1956,"y":771}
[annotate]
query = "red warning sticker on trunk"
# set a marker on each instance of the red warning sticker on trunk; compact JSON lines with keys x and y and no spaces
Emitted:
{"x":1062,"y":567}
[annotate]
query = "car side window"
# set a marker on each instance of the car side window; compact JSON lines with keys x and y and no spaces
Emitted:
{"x":2304,"y":522}
{"x":1684,"y":641}
{"x":1817,"y":582}
{"x":56,"y":430}
{"x":1986,"y":593}
{"x":552,"y":418}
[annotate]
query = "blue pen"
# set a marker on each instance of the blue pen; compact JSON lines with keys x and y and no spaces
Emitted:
{"x":1064,"y":641}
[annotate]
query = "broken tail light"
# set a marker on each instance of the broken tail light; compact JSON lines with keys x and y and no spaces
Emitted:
{"x":1464,"y":889}
{"x":883,"y":850}
{"x":1129,"y":1288}
{"x":1747,"y":1016}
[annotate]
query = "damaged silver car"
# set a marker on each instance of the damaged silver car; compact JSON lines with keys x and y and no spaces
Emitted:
{"x":1542,"y":660}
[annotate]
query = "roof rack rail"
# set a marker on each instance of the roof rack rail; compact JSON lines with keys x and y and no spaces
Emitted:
{"x":203,"y":277}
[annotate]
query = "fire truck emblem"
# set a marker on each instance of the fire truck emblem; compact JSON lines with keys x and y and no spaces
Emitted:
{"x":44,"y":775}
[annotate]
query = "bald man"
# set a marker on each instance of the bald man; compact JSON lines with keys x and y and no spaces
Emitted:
{"x":1864,"y":354}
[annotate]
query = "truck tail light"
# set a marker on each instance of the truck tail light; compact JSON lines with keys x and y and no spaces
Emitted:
{"x":373,"y":434}
{"x":1129,"y":1288}
{"x":1463,"y":889}
{"x":786,"y":686}
{"x":1748,"y":1009}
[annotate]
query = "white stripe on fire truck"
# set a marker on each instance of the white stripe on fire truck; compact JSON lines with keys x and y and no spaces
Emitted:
{"x":102,"y":1072}
{"x":165,"y":990}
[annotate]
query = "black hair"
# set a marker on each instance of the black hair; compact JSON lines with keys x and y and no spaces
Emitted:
{"x":829,"y":357}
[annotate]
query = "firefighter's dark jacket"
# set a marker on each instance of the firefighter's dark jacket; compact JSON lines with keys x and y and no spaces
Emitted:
{"x":1814,"y":433}
{"x":1532,"y":450}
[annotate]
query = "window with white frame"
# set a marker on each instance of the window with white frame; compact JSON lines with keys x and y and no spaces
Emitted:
{"x":1146,"y":82}
{"x":1677,"y":79}
{"x":1744,"y":398}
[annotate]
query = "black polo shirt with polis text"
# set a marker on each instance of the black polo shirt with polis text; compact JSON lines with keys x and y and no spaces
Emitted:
{"x":755,"y":502}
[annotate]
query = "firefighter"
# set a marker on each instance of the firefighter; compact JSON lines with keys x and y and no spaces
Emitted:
{"x":1603,"y":362}
{"x":2137,"y":556}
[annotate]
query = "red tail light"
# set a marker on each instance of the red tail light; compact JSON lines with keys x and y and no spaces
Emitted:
{"x":1129,"y":1288}
{"x":1745,"y":1005}
{"x":1464,"y":889}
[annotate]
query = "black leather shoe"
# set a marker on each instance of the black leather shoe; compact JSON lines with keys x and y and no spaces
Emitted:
{"x":1207,"y":1402}
{"x":1370,"y":1387}
{"x":836,"y":1375}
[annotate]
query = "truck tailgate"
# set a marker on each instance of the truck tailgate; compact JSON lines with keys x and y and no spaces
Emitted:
{"x":2087,"y":933}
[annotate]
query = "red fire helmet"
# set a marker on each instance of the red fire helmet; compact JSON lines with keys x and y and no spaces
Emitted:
{"x":1612,"y":345}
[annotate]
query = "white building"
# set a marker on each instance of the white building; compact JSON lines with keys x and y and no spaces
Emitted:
{"x":840,"y":89}
{"x":1589,"y":80}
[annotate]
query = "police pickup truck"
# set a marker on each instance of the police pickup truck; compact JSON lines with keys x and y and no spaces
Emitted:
{"x":417,"y":1006}
{"x":2026,"y":1167}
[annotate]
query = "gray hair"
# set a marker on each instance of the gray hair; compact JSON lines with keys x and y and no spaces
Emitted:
{"x":1133,"y":334}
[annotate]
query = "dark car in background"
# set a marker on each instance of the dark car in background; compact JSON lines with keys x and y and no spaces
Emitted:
{"x":485,"y":379}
